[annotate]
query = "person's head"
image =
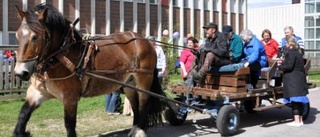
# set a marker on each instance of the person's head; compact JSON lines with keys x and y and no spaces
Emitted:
{"x":152,"y":40}
{"x":266,"y":35}
{"x":291,"y":42}
{"x":227,"y":31}
{"x":288,"y":31}
{"x":191,"y":42}
{"x":246,"y":35}
{"x":211,"y":29}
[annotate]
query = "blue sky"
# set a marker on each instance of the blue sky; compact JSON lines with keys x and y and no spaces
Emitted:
{"x":267,"y":3}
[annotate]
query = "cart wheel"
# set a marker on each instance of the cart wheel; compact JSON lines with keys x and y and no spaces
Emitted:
{"x":228,"y":120}
{"x":249,"y":105}
{"x":306,"y":109}
{"x":175,"y":114}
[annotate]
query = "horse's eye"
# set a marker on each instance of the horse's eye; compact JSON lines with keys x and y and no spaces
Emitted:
{"x":34,"y":38}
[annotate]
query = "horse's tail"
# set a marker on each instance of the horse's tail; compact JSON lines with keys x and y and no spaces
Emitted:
{"x":156,"y":105}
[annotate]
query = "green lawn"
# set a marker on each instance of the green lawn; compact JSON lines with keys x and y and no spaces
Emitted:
{"x":314,"y":77}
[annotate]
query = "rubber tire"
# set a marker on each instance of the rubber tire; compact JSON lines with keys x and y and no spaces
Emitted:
{"x":249,"y":105}
{"x":306,"y":109}
{"x":228,"y":120}
{"x":171,"y":115}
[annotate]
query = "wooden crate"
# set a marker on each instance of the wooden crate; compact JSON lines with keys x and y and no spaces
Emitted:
{"x":228,"y":81}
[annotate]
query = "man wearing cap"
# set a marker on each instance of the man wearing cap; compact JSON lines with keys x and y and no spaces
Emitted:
{"x":215,"y":51}
{"x":235,"y":42}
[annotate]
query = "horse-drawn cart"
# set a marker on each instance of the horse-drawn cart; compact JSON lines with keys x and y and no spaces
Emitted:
{"x":221,"y":93}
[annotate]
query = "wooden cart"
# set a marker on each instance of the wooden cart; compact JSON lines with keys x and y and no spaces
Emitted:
{"x":220,"y":92}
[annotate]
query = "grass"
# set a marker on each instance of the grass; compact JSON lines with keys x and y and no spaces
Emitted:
{"x":91,"y":119}
{"x":314,"y":77}
{"x":48,"y":119}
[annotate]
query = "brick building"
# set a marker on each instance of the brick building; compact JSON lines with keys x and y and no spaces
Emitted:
{"x":147,"y":17}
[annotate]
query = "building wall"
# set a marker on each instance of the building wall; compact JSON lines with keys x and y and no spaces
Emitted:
{"x":275,"y":19}
{"x":99,"y":25}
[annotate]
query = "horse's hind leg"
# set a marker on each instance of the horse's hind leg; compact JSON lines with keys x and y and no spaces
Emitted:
{"x":34,"y":99}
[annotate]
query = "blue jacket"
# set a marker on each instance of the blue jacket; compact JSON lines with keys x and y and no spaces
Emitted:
{"x":254,"y":51}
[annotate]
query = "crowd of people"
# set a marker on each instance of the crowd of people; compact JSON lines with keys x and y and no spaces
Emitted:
{"x":227,"y":51}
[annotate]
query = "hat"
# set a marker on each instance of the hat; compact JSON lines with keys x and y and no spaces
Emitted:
{"x":210,"y":25}
{"x":226,"y":29}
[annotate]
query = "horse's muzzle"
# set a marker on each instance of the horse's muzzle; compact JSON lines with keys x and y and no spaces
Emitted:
{"x":25,"y":76}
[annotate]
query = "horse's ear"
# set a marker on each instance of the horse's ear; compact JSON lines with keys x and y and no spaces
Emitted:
{"x":42,"y":15}
{"x":21,"y":13}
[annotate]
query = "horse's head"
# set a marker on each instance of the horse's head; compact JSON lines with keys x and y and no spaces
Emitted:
{"x":39,"y":35}
{"x":31,"y":36}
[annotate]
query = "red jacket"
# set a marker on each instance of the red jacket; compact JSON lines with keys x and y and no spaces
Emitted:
{"x":271,"y":48}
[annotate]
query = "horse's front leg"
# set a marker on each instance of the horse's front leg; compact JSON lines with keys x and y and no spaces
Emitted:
{"x":70,"y":117}
{"x":34,"y":99}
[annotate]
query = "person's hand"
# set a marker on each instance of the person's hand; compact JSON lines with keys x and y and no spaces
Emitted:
{"x":246,"y":64}
{"x":279,"y":62}
{"x":185,"y":74}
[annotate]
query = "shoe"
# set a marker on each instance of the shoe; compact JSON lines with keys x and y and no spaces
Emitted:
{"x":199,"y":76}
{"x":294,"y":124}
{"x":301,"y":123}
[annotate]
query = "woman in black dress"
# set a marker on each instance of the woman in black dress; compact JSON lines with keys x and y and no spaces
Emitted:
{"x":294,"y":80}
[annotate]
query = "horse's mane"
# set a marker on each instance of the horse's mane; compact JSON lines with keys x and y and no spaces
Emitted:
{"x":54,"y":20}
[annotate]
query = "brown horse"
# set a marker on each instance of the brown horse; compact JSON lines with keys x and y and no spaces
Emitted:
{"x":57,"y":60}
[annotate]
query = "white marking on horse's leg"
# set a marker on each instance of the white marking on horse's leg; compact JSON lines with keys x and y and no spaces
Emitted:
{"x":140,"y":133}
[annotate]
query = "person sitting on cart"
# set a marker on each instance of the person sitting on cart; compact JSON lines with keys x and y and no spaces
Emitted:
{"x":255,"y":56}
{"x":215,"y":52}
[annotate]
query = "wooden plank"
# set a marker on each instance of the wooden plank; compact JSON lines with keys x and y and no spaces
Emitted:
{"x":206,"y":93}
{"x":243,"y":71}
{"x":229,"y":89}
{"x":269,"y":107}
{"x":226,"y":81}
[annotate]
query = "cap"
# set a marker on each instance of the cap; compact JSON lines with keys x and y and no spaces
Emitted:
{"x":226,"y":29}
{"x":210,"y":25}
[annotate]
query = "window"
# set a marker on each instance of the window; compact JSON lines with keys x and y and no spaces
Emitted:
{"x":206,"y":5}
{"x":153,"y":1}
{"x":317,"y":33}
{"x":196,"y":4}
{"x":233,"y":4}
{"x":309,"y":33}
{"x":12,"y":38}
{"x":309,"y":7}
{"x":185,"y":3}
{"x":309,"y":44}
{"x":175,"y":2}
{"x":309,"y":21}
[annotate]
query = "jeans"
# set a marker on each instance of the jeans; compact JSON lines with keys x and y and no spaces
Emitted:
{"x":226,"y":68}
{"x":112,"y":101}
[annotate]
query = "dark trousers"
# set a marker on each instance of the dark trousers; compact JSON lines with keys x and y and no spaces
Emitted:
{"x":297,"y":108}
{"x":255,"y":70}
